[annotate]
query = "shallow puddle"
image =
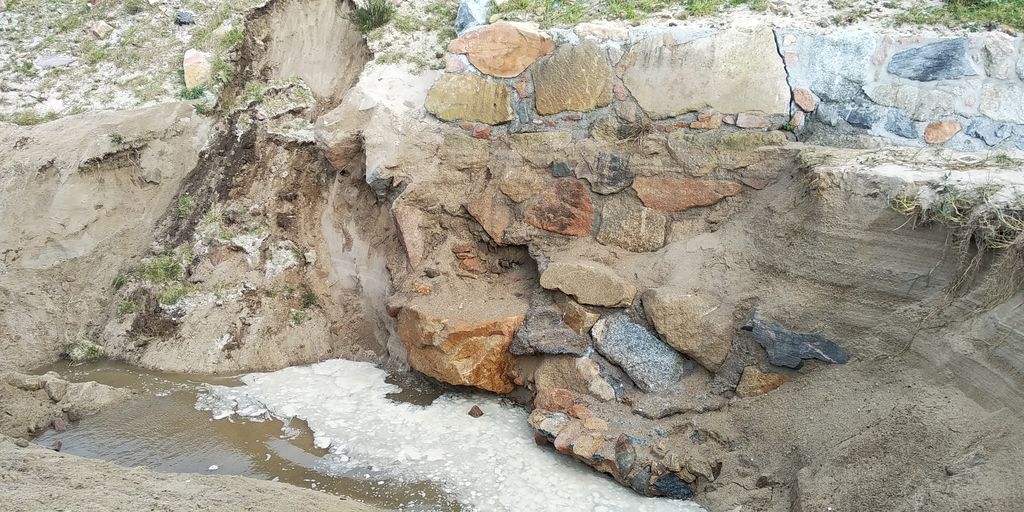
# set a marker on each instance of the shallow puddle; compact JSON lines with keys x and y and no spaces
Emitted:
{"x":161,"y":429}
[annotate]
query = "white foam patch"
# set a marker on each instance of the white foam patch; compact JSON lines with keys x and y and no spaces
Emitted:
{"x":488,"y":463}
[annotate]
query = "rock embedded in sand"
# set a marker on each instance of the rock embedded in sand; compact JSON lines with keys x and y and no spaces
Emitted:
{"x":576,"y":316}
{"x":754,"y":382}
{"x":735,"y":70}
{"x":469,"y":98}
{"x":578,"y":374}
{"x":691,"y":324}
{"x":672,"y":194}
{"x":788,"y":348}
{"x":650,"y":362}
{"x":503,"y":49}
{"x":492,"y":212}
{"x":607,"y":173}
{"x":574,"y":77}
{"x":197,"y":68}
{"x":544,"y":332}
{"x":564,"y":207}
{"x":553,"y":399}
{"x":468,"y":352}
{"x":589,"y":282}
{"x":631,"y":226}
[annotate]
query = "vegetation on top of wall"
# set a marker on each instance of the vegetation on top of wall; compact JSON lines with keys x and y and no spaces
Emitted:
{"x":972,"y":13}
{"x":983,"y":220}
{"x":376,"y":13}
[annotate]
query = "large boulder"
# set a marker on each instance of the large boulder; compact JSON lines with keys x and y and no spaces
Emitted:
{"x":672,"y":194}
{"x":575,"y":78}
{"x":503,"y":49}
{"x":943,"y":60}
{"x":461,"y":351}
{"x":469,"y":98}
{"x":197,"y":68}
{"x":580,"y":374}
{"x":544,"y":332}
{"x":832,"y":66}
{"x":1003,"y":101}
{"x":631,"y":226}
{"x":653,"y":365}
{"x":564,"y":207}
{"x":589,"y":282}
{"x":736,"y":70}
{"x":691,"y":324}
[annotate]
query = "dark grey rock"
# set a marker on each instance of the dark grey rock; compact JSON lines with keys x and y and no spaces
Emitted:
{"x":560,"y":170}
{"x":788,"y":348}
{"x":544,"y":332}
{"x":651,"y":363}
{"x":989,"y":131}
{"x":625,"y":454}
{"x":184,"y":18}
{"x":898,"y":123}
{"x":471,"y":13}
{"x":641,"y":482}
{"x":944,"y":60}
{"x":607,"y":173}
{"x":671,"y":486}
{"x":863,"y":116}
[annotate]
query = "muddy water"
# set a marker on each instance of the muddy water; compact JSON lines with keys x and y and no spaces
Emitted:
{"x":162,"y":430}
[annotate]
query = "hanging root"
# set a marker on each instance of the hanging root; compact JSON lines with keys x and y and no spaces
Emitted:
{"x":986,"y":228}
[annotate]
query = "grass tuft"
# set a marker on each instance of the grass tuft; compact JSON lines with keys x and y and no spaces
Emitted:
{"x":376,"y":13}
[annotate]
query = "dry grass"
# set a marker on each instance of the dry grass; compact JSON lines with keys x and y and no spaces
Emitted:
{"x":987,"y":232}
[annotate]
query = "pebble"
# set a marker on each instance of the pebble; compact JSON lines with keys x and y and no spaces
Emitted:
{"x":476,"y":412}
{"x":184,"y":18}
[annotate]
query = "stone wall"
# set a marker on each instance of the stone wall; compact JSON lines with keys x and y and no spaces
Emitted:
{"x":841,"y":88}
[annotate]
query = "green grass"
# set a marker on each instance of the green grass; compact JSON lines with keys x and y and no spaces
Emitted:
{"x":192,"y":94}
{"x":551,"y":12}
{"x":186,"y":205}
{"x":30,"y":118}
{"x":160,"y":270}
{"x":376,"y":13}
{"x":969,"y":13}
{"x":634,"y":9}
{"x":709,"y":7}
{"x":172,"y":293}
{"x":126,"y":307}
{"x":84,"y":349}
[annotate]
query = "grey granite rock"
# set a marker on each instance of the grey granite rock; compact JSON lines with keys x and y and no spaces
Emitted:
{"x":989,"y":131}
{"x":471,"y":13}
{"x":788,"y":348}
{"x":897,"y":123}
{"x":833,"y":66}
{"x":863,"y":116}
{"x":650,"y":362}
{"x":943,"y":60}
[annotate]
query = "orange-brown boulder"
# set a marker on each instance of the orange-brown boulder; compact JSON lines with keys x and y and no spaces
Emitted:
{"x":677,"y":194}
{"x":503,"y":49}
{"x":467,"y":352}
{"x":564,"y":207}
